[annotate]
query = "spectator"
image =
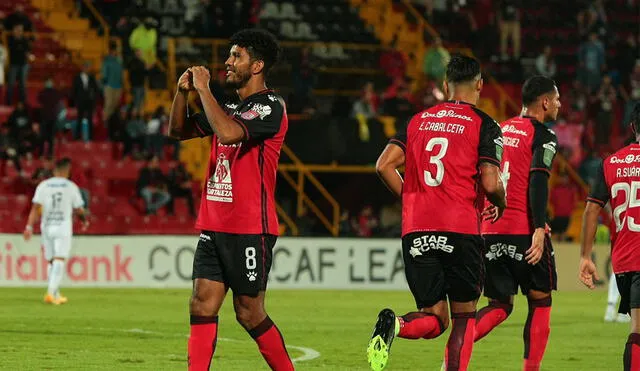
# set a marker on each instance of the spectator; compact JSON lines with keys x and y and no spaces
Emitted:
{"x":19,"y":47}
{"x":591,"y":62}
{"x":152,"y":186}
{"x":345,"y":224}
{"x":435,"y":63}
{"x":85,"y":94}
{"x":589,"y":168}
{"x":18,"y":18}
{"x":605,"y":98}
{"x":135,"y":136}
{"x":632,"y":96}
{"x":627,"y":56}
{"x":366,"y":223}
{"x":8,"y":150}
{"x":563,"y":200}
{"x":42,"y":172}
{"x":367,"y":105}
{"x":137,"y":79}
{"x":50,"y":100}
{"x":391,"y":219}
{"x":399,"y":106}
{"x":3,"y":62}
{"x":509,"y":21}
{"x":393,"y":62}
{"x":304,"y":73}
{"x":144,"y":38}
{"x":180,"y":187}
{"x":111,"y":81}
{"x":21,"y":129}
{"x":154,"y":140}
{"x":578,"y":97}
{"x":545,"y":65}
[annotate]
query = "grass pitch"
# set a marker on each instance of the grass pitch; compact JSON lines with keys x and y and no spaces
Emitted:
{"x":120,"y":329}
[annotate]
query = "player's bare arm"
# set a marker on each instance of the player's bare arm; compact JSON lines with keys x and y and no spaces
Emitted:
{"x":180,"y":127}
{"x":35,"y":212}
{"x":226,"y":128}
{"x":81,"y":212}
{"x":387,"y":166}
{"x":588,"y":273}
{"x":491,"y":183}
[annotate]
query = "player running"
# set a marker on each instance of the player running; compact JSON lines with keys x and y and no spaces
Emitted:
{"x":618,"y":182}
{"x":55,"y":200}
{"x":237,"y":214}
{"x":518,"y":251}
{"x":448,"y":151}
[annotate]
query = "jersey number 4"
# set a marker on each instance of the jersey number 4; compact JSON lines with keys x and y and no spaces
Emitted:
{"x":436,"y":159}
{"x":630,"y":201}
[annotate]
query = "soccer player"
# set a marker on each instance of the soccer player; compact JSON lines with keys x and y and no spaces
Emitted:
{"x":237,"y":215}
{"x":449,"y":151}
{"x":618,"y":182}
{"x":518,"y":250}
{"x":55,"y":200}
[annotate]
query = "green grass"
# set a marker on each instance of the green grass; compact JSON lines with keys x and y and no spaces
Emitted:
{"x":118,"y":329}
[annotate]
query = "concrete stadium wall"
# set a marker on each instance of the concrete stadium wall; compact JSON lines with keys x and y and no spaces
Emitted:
{"x":165,"y":261}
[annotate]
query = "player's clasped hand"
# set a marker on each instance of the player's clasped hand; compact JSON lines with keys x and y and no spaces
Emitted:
{"x":201,"y":78}
{"x":588,"y":273}
{"x":184,"y":82}
{"x":534,"y":253}
{"x":492,"y":213}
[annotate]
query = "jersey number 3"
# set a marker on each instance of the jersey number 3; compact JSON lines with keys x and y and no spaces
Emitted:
{"x":443,"y":145}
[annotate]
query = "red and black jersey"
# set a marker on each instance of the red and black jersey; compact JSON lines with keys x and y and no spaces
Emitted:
{"x":239,"y":196}
{"x":618,"y":182}
{"x":443,"y":146}
{"x":528,"y":146}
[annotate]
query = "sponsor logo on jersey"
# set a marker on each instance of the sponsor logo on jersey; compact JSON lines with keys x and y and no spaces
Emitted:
{"x":205,"y":237}
{"x":626,"y":160}
{"x":220,"y":186}
{"x":513,"y":130}
{"x":257,"y":110}
{"x":446,"y":113}
{"x":501,"y":249}
{"x":425,"y":243}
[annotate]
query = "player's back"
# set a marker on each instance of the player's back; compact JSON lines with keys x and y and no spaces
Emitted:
{"x":58,"y":197}
{"x":441,"y":171}
{"x":622,"y":177}
{"x":521,"y":135}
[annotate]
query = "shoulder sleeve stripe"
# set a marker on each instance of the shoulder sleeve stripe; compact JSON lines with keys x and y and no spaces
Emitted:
{"x":541,"y":169}
{"x":243,"y":126}
{"x":398,"y":143}
{"x":596,"y":201}
{"x":489,"y":160}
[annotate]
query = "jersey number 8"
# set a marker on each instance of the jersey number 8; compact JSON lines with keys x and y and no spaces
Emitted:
{"x":630,"y":201}
{"x":250,"y":254}
{"x":435,"y":159}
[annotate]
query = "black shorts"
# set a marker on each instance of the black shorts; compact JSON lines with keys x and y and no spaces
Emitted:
{"x":241,"y":261}
{"x":440,"y":265}
{"x":507,"y":267}
{"x":629,"y":288}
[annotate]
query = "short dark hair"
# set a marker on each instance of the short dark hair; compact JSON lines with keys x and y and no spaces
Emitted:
{"x":635,"y":118}
{"x":63,"y":163}
{"x":260,"y":44}
{"x":535,"y":86}
{"x":461,"y":69}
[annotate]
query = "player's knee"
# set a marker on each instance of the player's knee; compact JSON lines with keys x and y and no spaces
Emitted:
{"x":504,"y":304}
{"x":444,"y":323}
{"x":200,"y":305}
{"x":249,"y":318}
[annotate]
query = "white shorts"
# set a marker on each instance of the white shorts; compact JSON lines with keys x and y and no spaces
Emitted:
{"x":56,"y":247}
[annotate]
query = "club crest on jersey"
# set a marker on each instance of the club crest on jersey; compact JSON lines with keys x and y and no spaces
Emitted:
{"x":627,"y":160}
{"x":257,"y":110}
{"x":425,"y":243}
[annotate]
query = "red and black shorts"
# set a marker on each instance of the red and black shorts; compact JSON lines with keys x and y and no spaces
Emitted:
{"x":629,"y":288}
{"x":241,"y":261}
{"x":507,"y":267}
{"x":441,"y":265}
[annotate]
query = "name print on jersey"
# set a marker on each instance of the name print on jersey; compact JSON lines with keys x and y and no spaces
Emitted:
{"x":425,"y":243}
{"x":220,"y":186}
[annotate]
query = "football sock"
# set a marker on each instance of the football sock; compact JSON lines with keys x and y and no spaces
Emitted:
{"x":271,"y":345}
{"x":536,"y":333}
{"x":614,"y":294}
{"x":202,"y":342}
{"x":458,"y":351}
{"x":55,"y":277}
{"x":632,"y":353}
{"x":490,"y":317}
{"x":416,"y":325}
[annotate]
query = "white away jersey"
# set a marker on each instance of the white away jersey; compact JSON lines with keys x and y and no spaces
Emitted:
{"x":58,"y":197}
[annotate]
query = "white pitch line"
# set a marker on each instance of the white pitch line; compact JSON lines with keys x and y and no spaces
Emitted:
{"x":308,"y":353}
